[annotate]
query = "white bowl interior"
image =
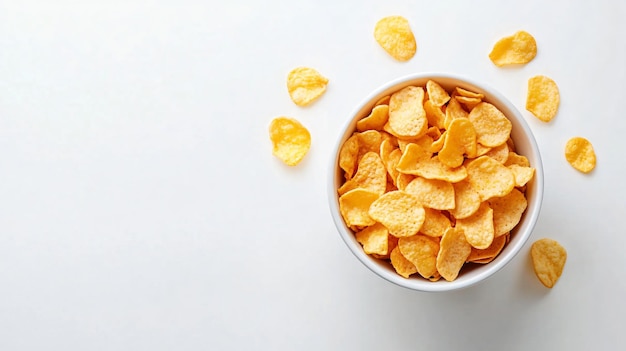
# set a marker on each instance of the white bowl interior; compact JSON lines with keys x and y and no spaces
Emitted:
{"x":525,"y":144}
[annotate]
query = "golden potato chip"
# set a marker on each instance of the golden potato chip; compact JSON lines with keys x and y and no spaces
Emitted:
{"x":521,"y":174}
{"x":391,"y":163}
{"x":369,"y":141}
{"x":291,"y":140}
{"x":354,"y":207}
{"x":466,"y":200}
{"x":453,"y":252}
{"x":407,"y":117}
{"x":432,"y":168}
{"x":434,"y":114}
{"x":433,"y":193}
{"x":383,"y":100}
{"x":469,"y":94}
{"x":548,"y":257}
{"x":468,"y":102}
{"x":412,"y":155}
{"x":436,"y":94}
{"x":478,"y":228}
{"x":376,"y":119}
{"x":402,"y":180}
{"x":348,"y":155}
{"x":454,"y":110}
{"x":543,"y":98}
{"x":371,"y":175}
{"x":489,"y":178}
{"x":499,"y":153}
{"x":460,"y":140}
{"x":433,"y":132}
{"x":374,"y":239}
{"x":515,"y":159}
{"x":487,"y":255}
{"x":491,"y":125}
{"x":401,"y":213}
{"x":394,"y":34}
{"x":437,"y":145}
{"x":507,"y":211}
{"x":422,"y":252}
{"x":482,"y":150}
{"x":519,"y":48}
{"x":435,"y":223}
{"x":392,"y":243}
{"x":402,"y":266}
{"x":305,"y":85}
{"x":580,"y":154}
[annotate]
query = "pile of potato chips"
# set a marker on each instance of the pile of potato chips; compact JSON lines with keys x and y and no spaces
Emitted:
{"x":432,"y":181}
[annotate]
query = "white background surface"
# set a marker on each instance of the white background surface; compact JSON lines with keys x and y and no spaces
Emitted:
{"x":141,"y":208}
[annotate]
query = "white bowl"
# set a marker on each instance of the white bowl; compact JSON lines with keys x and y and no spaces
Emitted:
{"x":525,"y":144}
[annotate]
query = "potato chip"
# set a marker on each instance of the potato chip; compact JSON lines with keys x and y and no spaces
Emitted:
{"x":369,"y":141}
{"x":383,"y":100}
{"x":515,"y":159}
{"x":422,"y":252}
{"x":460,"y":140}
{"x":489,"y":178}
{"x":402,"y":180}
{"x":412,"y":155}
{"x":394,"y":34}
{"x":521,"y":174}
{"x":305,"y":85}
{"x":433,"y":168}
{"x":402,"y":266}
{"x":434,"y":114}
{"x":453,"y":252}
{"x":519,"y":48}
{"x":370,"y":175}
{"x":499,"y":153}
{"x":487,"y":255}
{"x":433,"y":132}
{"x":354,"y":207}
{"x":391,"y":163}
{"x":482,"y":150}
{"x":374,"y":239}
{"x":478,"y":228}
{"x":454,"y":110}
{"x":543,"y":98}
{"x":468,"y":93}
{"x":433,"y":193}
{"x":407,"y":117}
{"x":548,"y":258}
{"x":491,"y":125}
{"x":435,"y":223}
{"x":466,"y":200}
{"x":392,"y":243}
{"x":507,"y":211}
{"x":290,"y":139}
{"x":468,"y":102}
{"x":580,"y":154}
{"x":436,"y":94}
{"x":376,"y":119}
{"x":401,"y":213}
{"x":348,"y":155}
{"x":437,"y":145}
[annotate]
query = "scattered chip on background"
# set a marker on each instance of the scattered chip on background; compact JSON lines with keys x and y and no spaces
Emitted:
{"x":394,"y":34}
{"x":548,"y":258}
{"x":305,"y":85}
{"x":543,"y":98}
{"x":519,"y":48}
{"x":580,"y":154}
{"x":291,"y":140}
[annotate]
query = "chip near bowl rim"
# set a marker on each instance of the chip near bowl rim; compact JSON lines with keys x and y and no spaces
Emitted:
{"x":525,"y":144}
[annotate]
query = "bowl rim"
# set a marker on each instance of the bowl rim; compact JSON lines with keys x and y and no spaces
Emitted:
{"x":529,"y":218}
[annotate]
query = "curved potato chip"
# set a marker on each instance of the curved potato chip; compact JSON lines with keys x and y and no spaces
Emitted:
{"x":507,"y":211}
{"x":466,"y":199}
{"x":437,"y":145}
{"x":515,"y":159}
{"x":407,"y":117}
{"x":305,"y":85}
{"x":375,"y":239}
{"x":489,"y":178}
{"x":375,"y":120}
{"x":489,"y":254}
{"x":354,"y":207}
{"x":478,"y":228}
{"x":403,"y":180}
{"x":435,"y":223}
{"x":433,"y":132}
{"x":433,"y":193}
{"x":401,"y":213}
{"x":348,"y":155}
{"x":469,"y":94}
{"x":422,"y":252}
{"x":391,"y":163}
{"x":454,"y":110}
{"x":482,"y":150}
{"x":394,"y":34}
{"x":580,"y":154}
{"x":468,"y":102}
{"x":543,"y":98}
{"x":402,"y":266}
{"x":491,"y":125}
{"x":522,"y":174}
{"x":548,"y":257}
{"x":383,"y":100}
{"x":371,"y":175}
{"x":499,"y":153}
{"x":519,"y":48}
{"x":432,"y":168}
{"x":291,"y":140}
{"x":460,"y":140}
{"x":412,"y":155}
{"x":392,"y":243}
{"x":369,"y":141}
{"x":434,"y":114}
{"x":436,"y":94}
{"x":453,"y":252}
